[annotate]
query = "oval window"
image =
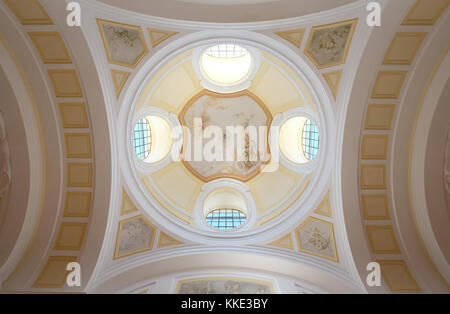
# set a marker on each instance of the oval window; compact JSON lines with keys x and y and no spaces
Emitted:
{"x":225,"y":219}
{"x":152,"y":139}
{"x":226,"y":64}
{"x":142,"y":139}
{"x":299,"y":139}
{"x":310,"y":139}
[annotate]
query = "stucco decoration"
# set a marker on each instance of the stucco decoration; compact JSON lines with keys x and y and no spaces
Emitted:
{"x":328,"y":44}
{"x":124,"y":44}
{"x":238,"y":109}
{"x":316,"y":236}
{"x":223,"y":286}
{"x":5,"y":164}
{"x":447,"y":165}
{"x":135,"y":235}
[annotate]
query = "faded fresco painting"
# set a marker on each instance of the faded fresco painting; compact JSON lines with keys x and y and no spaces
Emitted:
{"x":240,"y":109}
{"x":317,"y":237}
{"x":328,"y":45}
{"x":124,"y":43}
{"x":136,"y":235}
{"x":223,"y":286}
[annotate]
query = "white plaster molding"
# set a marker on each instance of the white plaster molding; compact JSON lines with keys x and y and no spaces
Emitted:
{"x":236,"y":185}
{"x":278,"y":122}
{"x":174,"y":151}
{"x":418,"y":181}
{"x":36,"y":160}
{"x":325,"y":17}
{"x":241,"y":85}
{"x":236,"y":32}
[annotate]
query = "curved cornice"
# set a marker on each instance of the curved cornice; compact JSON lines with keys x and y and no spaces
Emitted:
{"x":303,"y":267}
{"x":340,"y":13}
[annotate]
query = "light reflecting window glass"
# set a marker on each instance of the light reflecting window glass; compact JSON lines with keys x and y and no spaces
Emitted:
{"x":225,"y":219}
{"x":226,"y":64}
{"x":310,"y":139}
{"x":142,"y":139}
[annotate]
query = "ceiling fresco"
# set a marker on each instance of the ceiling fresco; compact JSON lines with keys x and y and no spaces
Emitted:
{"x":242,"y":109}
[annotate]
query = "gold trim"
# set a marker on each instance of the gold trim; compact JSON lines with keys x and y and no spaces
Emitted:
{"x":34,"y":38}
{"x":395,"y":94}
{"x":367,"y":156}
{"x":371,"y":107}
{"x":83,"y":214}
{"x":126,"y":198}
{"x":166,"y":35}
{"x":299,"y":242}
{"x":101,"y":22}
{"x":59,"y":247}
{"x":325,"y":201}
{"x":279,"y":242}
{"x":417,"y":35}
{"x":119,"y":233}
{"x":354,"y":22}
{"x":286,"y":35}
{"x":333,"y":87}
{"x":172,"y":241}
{"x":410,"y":21}
{"x":231,"y":95}
{"x":84,"y":117}
{"x":51,"y":259}
{"x":249,"y":280}
{"x":76,"y":94}
{"x":70,"y":183}
{"x":372,"y":241}
{"x":364,"y":167}
{"x":24,"y":21}
{"x":118,"y":86}
{"x":84,"y":136}
{"x":407,"y":272}
{"x":366,"y":215}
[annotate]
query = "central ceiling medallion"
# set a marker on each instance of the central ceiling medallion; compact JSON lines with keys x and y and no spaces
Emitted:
{"x":225,"y":135}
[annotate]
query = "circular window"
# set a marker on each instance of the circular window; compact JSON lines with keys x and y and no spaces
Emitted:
{"x":226,"y":64}
{"x":299,"y":139}
{"x":225,"y":219}
{"x":310,"y":139}
{"x":142,"y":139}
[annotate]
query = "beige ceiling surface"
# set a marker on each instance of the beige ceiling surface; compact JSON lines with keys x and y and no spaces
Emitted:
{"x":214,"y":12}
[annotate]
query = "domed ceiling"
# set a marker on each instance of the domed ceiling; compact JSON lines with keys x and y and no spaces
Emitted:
{"x":180,"y":187}
{"x":317,"y":186}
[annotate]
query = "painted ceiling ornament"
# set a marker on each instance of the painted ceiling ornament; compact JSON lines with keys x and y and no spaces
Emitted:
{"x":328,"y":45}
{"x":316,"y":236}
{"x":447,"y":165}
{"x":209,"y":110}
{"x":5,"y":164}
{"x":135,"y":235}
{"x":223,"y":286}
{"x":124,"y":44}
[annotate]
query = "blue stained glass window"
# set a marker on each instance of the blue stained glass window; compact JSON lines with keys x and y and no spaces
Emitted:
{"x":225,"y":219}
{"x":310,"y":139}
{"x":142,"y":139}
